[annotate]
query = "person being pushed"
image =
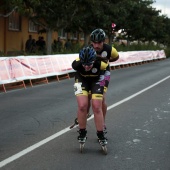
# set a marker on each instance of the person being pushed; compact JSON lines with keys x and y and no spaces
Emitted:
{"x":89,"y":76}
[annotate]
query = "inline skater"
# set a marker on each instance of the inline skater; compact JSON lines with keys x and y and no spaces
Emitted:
{"x":89,"y":76}
{"x":107,"y":54}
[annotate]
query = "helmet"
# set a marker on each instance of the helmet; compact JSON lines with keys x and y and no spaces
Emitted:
{"x":98,"y":35}
{"x":87,"y":55}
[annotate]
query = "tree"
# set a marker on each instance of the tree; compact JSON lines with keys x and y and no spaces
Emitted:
{"x":136,"y":17}
{"x":50,"y":15}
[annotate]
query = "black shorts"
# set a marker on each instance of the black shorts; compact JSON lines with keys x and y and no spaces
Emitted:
{"x":83,"y":85}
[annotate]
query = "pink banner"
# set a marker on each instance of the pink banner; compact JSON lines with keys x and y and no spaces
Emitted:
{"x":14,"y":69}
{"x":5,"y":68}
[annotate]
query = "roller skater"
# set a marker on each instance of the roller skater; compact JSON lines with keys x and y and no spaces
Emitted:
{"x":89,"y":76}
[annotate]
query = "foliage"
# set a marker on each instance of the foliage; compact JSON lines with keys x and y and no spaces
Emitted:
{"x":136,"y":18}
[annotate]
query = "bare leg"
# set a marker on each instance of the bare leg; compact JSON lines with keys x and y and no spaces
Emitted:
{"x":104,"y":106}
{"x":89,"y":103}
{"x":98,"y":114}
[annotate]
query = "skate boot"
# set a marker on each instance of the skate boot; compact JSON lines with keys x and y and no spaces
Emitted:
{"x":82,"y":138}
{"x":104,"y":129}
{"x":102,"y":141}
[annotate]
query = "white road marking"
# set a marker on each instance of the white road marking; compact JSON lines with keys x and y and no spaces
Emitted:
{"x":35,"y":146}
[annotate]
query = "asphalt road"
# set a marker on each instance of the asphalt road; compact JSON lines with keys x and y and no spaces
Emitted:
{"x":34,"y":124}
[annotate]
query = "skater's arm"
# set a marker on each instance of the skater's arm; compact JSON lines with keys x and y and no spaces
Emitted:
{"x":114,"y":55}
{"x":76,"y":64}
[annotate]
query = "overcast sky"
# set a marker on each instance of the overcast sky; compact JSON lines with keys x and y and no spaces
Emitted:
{"x":163,"y":5}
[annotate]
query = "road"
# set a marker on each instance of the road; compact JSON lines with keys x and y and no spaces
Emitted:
{"x":35,"y":134}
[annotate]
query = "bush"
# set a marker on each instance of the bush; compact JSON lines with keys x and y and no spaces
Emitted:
{"x":167,"y":52}
{"x":139,"y":47}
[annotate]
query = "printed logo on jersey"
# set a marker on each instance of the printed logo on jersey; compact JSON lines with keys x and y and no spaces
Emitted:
{"x":104,"y":54}
{"x":99,"y":90}
{"x":94,"y":70}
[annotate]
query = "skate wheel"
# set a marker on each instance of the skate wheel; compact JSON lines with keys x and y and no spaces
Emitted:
{"x":81,"y":147}
{"x":104,"y":149}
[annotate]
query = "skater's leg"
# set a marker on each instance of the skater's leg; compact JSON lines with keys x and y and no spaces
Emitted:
{"x":89,"y":105}
{"x":82,"y":101}
{"x":104,"y":106}
{"x":88,"y":111}
{"x":98,"y":114}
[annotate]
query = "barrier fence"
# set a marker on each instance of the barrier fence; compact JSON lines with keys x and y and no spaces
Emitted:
{"x":18,"y":69}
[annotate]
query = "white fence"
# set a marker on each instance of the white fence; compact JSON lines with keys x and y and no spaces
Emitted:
{"x":14,"y":69}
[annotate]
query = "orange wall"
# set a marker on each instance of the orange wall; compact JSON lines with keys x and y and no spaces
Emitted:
{"x":1,"y":34}
{"x":15,"y":40}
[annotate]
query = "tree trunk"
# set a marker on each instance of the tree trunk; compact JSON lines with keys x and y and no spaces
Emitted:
{"x":86,"y":39}
{"x":49,"y":41}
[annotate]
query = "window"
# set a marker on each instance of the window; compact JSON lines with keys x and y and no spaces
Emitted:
{"x":62,"y":34}
{"x":14,"y":22}
{"x":32,"y":27}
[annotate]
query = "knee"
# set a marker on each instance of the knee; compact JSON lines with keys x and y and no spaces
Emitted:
{"x":96,"y":108}
{"x":83,"y":107}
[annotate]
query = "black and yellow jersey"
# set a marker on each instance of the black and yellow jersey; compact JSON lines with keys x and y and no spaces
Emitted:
{"x":97,"y":69}
{"x":107,"y":53}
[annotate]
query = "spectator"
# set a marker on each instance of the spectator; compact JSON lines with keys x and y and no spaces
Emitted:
{"x":33,"y":48}
{"x":59,"y":45}
{"x":28,"y":44}
{"x":43,"y":44}
{"x":40,"y":43}
{"x":54,"y":46}
{"x":67,"y":45}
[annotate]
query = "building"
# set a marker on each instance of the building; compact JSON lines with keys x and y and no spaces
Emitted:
{"x":15,"y":30}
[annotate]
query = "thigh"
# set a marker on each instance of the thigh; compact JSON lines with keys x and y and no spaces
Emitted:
{"x":97,"y":88}
{"x":81,"y":85}
{"x":82,"y":100}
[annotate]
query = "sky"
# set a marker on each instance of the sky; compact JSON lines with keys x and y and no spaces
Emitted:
{"x":163,"y":5}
